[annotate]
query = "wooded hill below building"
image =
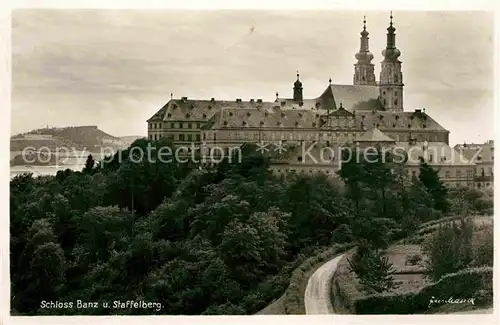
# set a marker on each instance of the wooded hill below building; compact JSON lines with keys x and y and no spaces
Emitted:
{"x":219,"y":240}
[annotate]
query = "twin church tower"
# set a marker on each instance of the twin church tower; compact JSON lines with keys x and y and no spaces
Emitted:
{"x":391,"y":77}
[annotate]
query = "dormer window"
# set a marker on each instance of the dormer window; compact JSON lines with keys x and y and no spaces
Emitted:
{"x":169,"y":115}
{"x":397,"y":117}
{"x":317,"y":115}
{"x":300,"y":114}
{"x":409,"y":126}
{"x":314,"y":124}
{"x":278,"y":123}
{"x":192,"y":106}
{"x":248,"y":114}
{"x":394,"y":125}
{"x":244,"y":123}
{"x":381,"y":117}
{"x":204,"y":115}
{"x":424,"y":126}
{"x":261,"y":123}
{"x":225,"y":122}
{"x":282,"y":114}
{"x":174,"y":106}
{"x":188,"y":115}
{"x":296,"y":123}
{"x":363,"y":117}
{"x":209,"y":106}
{"x":230,"y":113}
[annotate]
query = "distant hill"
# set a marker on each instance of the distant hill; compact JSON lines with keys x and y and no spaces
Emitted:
{"x":90,"y":138}
{"x":128,"y":140}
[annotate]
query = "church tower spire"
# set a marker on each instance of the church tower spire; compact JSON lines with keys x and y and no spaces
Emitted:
{"x":391,"y":77}
{"x":297,"y":90}
{"x":364,"y":70}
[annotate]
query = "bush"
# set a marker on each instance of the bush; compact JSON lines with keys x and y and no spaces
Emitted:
{"x":414,"y":259}
{"x":372,"y":269}
{"x":483,"y":248}
{"x":450,"y":249}
{"x":471,"y":283}
{"x":343,"y":234}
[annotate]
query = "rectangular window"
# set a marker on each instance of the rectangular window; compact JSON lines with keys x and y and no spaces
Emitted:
{"x":447,"y":174}
{"x":198,"y":125}
{"x":150,"y":137}
{"x":181,"y":137}
{"x":189,"y":125}
{"x":172,"y":125}
{"x":459,"y":173}
{"x":180,"y":125}
{"x":159,"y":125}
{"x":189,"y":137}
{"x":197,"y":137}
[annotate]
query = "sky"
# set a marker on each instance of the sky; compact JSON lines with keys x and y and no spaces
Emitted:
{"x":116,"y":68}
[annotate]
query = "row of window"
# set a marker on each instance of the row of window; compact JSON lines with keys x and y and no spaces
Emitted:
{"x":174,"y":125}
{"x":180,"y":137}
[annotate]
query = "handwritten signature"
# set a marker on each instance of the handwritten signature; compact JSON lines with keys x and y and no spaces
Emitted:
{"x":451,"y":300}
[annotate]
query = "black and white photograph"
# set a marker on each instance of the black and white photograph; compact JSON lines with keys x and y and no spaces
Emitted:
{"x":251,"y":162}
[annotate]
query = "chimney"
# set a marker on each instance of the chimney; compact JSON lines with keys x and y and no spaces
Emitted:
{"x":212,"y":99}
{"x":238,"y":100}
{"x":252,"y":100}
{"x":184,"y":99}
{"x":418,"y":111}
{"x":283,"y":103}
{"x":259,"y":100}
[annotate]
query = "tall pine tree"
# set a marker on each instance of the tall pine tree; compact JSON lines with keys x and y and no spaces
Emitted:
{"x":434,"y":186}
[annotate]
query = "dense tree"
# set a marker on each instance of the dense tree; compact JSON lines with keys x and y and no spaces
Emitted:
{"x":434,"y":186}
{"x":200,"y":239}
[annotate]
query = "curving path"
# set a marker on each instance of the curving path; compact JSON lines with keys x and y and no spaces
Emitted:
{"x":317,"y":295}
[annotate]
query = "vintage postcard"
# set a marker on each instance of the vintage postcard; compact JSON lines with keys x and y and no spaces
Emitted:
{"x":251,"y":162}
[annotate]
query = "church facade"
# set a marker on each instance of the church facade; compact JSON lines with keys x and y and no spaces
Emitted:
{"x":341,"y":115}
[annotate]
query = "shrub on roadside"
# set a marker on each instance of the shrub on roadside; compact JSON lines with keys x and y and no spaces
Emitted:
{"x":372,"y":269}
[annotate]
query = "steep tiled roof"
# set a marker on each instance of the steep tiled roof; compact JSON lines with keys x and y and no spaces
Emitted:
{"x":202,"y":110}
{"x":307,"y":104}
{"x":158,"y":116}
{"x":442,"y":154}
{"x":373,"y":135}
{"x":352,"y":97}
{"x":270,"y":118}
{"x":385,"y":120}
{"x":478,"y":152}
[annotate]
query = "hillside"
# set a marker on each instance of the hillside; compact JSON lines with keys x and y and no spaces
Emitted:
{"x":88,"y":137}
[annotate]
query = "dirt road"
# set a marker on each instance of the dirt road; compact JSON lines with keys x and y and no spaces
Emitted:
{"x":317,"y":295}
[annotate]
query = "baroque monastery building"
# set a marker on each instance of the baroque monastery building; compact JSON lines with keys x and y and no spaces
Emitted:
{"x":365,"y":112}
